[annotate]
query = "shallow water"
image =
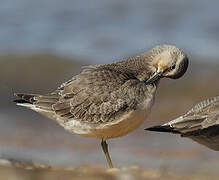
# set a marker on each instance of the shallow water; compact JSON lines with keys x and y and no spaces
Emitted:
{"x":103,"y":30}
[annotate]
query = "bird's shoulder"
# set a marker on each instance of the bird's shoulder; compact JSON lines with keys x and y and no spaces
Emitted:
{"x":94,"y":79}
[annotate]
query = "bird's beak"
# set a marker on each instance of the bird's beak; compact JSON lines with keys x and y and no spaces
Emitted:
{"x":156,"y":76}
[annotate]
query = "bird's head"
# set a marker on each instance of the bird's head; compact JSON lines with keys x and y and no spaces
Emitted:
{"x":167,"y":61}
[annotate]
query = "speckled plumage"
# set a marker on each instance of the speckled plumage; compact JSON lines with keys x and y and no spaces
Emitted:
{"x":201,"y":124}
{"x":97,"y":96}
{"x":101,"y":93}
{"x":111,"y":100}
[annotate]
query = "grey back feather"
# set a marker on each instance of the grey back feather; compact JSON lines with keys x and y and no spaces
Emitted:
{"x":202,"y":106}
{"x":99,"y":95}
{"x":201,"y":116}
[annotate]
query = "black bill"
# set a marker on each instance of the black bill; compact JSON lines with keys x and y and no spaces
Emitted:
{"x":156,"y":76}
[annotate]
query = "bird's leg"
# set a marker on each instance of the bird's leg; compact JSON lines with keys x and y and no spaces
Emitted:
{"x":105,"y":150}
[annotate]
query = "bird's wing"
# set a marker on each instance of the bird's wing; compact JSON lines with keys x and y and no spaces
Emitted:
{"x":203,"y":107}
{"x":201,"y":124}
{"x":201,"y":116}
{"x":97,"y":95}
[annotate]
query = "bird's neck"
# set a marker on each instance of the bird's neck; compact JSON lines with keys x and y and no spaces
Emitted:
{"x":138,"y":67}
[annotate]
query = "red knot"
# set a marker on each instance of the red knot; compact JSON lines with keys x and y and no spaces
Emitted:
{"x":111,"y":100}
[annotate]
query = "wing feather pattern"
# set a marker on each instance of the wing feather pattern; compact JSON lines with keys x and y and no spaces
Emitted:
{"x":201,"y":116}
{"x":98,"y":95}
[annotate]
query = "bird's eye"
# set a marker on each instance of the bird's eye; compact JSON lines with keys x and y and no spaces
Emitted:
{"x":172,"y":66}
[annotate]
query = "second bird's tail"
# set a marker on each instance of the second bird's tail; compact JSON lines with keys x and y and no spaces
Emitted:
{"x":163,"y":128}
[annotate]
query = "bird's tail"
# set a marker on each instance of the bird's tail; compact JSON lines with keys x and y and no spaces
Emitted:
{"x":35,"y":101}
{"x":163,"y":128}
{"x":24,"y":99}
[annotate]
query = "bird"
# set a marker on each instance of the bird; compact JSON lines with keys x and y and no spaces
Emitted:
{"x":109,"y":100}
{"x":201,"y":124}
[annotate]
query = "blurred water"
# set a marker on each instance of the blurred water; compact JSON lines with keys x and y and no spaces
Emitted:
{"x":103,"y":30}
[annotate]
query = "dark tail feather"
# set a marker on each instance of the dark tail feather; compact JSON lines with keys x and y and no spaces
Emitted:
{"x":166,"y":128}
{"x":36,"y":101}
{"x":21,"y":101}
{"x":24,"y":98}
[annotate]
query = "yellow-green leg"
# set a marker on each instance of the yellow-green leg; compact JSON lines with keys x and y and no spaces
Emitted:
{"x":105,"y":150}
